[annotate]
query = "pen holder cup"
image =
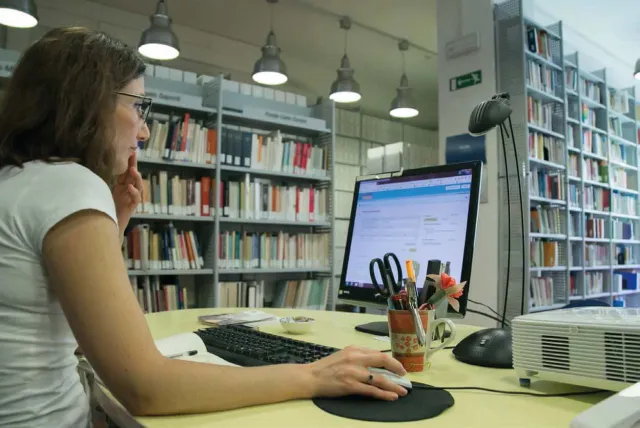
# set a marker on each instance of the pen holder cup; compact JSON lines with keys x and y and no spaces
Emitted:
{"x":405,"y":346}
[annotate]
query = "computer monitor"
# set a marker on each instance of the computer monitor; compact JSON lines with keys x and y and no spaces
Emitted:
{"x":421,"y":214}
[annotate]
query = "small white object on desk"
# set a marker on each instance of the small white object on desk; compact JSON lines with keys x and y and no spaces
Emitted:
{"x":297,"y":325}
{"x":618,"y":411}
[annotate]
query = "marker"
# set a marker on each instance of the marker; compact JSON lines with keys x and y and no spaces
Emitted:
{"x":410,"y":273}
{"x":183,"y":354}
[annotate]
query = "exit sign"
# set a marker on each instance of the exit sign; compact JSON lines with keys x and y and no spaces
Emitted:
{"x":465,"y":80}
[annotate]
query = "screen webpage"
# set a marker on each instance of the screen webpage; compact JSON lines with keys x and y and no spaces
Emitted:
{"x":418,"y":218}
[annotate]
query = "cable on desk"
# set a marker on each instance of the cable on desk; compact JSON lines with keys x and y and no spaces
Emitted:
{"x":485,"y":315}
{"x":497,"y":391}
{"x":488,"y":307}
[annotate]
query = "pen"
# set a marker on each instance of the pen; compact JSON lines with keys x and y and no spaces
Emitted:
{"x":410,"y":272}
{"x":183,"y":354}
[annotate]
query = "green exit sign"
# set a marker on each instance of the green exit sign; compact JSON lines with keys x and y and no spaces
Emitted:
{"x":465,"y":80}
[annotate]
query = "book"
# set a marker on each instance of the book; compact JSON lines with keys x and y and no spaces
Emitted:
{"x":248,"y":318}
{"x":181,"y":345}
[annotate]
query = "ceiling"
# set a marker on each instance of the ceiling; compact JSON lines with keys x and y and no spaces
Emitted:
{"x":311,"y":41}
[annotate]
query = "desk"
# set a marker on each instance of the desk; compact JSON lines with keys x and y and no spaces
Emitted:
{"x":472,"y":408}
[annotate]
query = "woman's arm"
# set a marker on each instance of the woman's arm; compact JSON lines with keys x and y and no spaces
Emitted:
{"x":88,"y":275}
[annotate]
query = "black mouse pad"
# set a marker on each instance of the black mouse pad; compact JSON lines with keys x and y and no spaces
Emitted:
{"x":419,"y":404}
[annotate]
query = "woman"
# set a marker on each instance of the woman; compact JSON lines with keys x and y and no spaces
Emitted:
{"x":69,"y":124}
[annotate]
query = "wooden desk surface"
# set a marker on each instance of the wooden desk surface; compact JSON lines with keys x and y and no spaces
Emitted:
{"x":471,"y":409}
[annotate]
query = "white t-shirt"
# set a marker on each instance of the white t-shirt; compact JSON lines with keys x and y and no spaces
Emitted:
{"x":39,"y":382}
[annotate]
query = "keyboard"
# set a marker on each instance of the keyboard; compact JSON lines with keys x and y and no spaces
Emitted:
{"x":247,"y":347}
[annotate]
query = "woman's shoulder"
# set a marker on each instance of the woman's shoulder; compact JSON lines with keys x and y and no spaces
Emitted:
{"x":62,"y":175}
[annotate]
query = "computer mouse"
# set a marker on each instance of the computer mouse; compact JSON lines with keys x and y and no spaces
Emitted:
{"x":490,"y":347}
{"x":398,"y":380}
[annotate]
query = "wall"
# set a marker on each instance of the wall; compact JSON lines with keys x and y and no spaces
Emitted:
{"x":463,"y":17}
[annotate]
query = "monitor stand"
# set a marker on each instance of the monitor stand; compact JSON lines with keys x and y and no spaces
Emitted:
{"x":381,"y":328}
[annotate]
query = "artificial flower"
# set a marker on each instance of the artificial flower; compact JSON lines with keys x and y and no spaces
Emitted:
{"x":446,"y":287}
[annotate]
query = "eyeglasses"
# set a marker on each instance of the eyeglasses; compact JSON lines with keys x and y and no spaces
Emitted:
{"x":143,"y":106}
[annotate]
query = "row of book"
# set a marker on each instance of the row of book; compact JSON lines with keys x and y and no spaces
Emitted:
{"x":180,"y":139}
{"x":595,"y":227}
{"x":241,"y":294}
{"x":543,"y":253}
{"x":619,"y":101}
{"x":541,"y":291}
{"x":625,"y":254}
{"x":273,"y":152}
{"x":307,"y":293}
{"x":174,"y":195}
{"x":251,"y":198}
{"x":595,"y":170}
{"x":620,"y":177}
{"x":538,"y":42}
{"x":623,"y":229}
{"x":573,"y":165}
{"x":622,"y":154}
{"x":571,"y":79}
{"x":185,"y":140}
{"x":157,"y":295}
{"x":624,"y":204}
{"x":257,"y":198}
{"x":623,"y":281}
{"x":541,"y":78}
{"x":588,"y":116}
{"x":596,"y":255}
{"x":161,"y":247}
{"x":545,"y":184}
{"x":546,"y":220}
{"x":615,"y":127}
{"x":540,"y":114}
{"x":594,"y":283}
{"x":546,"y":148}
{"x":594,"y":142}
{"x":591,"y":90}
{"x":278,"y":250}
{"x":596,"y":198}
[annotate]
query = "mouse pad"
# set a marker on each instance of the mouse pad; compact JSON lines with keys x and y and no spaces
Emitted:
{"x":417,"y":405}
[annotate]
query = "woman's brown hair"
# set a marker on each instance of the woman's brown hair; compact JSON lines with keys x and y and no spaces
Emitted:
{"x":59,"y":101}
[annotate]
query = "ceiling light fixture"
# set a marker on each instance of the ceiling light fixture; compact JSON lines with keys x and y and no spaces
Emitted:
{"x":269,"y":69}
{"x":403,"y":105}
{"x":18,"y":13}
{"x":636,"y":73}
{"x":158,"y":41}
{"x":345,"y":89}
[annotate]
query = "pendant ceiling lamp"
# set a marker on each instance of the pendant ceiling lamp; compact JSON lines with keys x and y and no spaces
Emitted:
{"x":158,"y":41}
{"x":18,"y":13}
{"x":345,"y":89}
{"x":403,"y":105}
{"x":269,"y":69}
{"x":636,"y":73}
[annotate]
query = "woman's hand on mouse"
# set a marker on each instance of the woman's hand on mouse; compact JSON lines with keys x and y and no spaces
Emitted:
{"x":346,"y":373}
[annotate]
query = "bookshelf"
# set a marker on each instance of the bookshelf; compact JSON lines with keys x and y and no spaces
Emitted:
{"x":576,"y":139}
{"x":269,"y":167}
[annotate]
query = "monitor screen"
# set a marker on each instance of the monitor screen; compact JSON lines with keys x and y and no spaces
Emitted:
{"x":427,"y":214}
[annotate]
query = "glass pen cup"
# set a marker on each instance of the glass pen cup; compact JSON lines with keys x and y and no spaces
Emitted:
{"x":405,"y":346}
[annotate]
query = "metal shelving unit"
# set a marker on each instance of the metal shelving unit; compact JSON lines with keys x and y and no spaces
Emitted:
{"x":549,"y":117}
{"x":216,"y":107}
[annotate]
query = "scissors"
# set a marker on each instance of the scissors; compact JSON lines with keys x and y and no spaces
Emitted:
{"x":391,"y":282}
